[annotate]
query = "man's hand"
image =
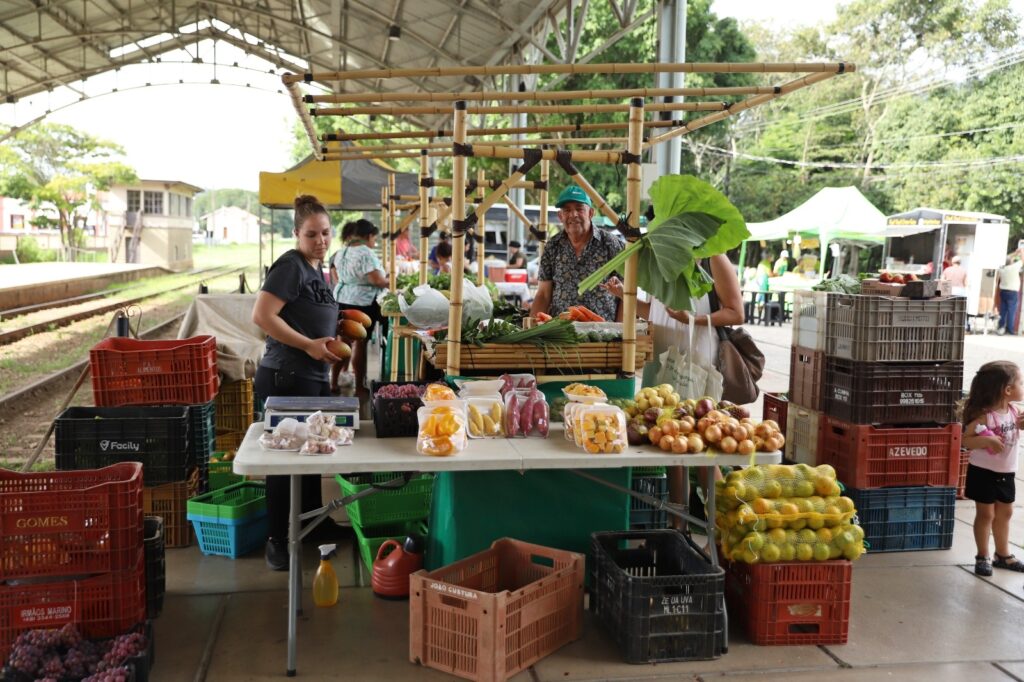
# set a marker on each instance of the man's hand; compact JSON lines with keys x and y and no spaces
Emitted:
{"x":613,"y":285}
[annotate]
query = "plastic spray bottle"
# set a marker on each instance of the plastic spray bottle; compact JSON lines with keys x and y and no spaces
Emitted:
{"x":325,"y":583}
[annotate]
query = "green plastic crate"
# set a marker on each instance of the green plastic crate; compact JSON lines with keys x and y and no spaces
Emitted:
{"x":370,"y":539}
{"x":222,"y":474}
{"x":613,"y":388}
{"x":411,"y":502}
{"x":238,"y":501}
{"x":640,"y":472}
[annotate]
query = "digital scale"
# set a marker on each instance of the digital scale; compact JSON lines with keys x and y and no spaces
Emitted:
{"x":344,"y":409}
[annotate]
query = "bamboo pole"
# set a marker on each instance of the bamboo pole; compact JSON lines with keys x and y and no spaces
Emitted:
{"x":385,"y":230}
{"x":492,"y":184}
{"x":583,"y":155}
{"x":446,"y":145}
{"x":515,"y":209}
{"x":392,"y":247}
{"x":424,"y":216}
{"x":634,"y":180}
{"x":542,"y":69}
{"x":481,"y":225}
{"x":533,"y":96}
{"x":785,"y":89}
{"x":481,"y":132}
{"x":458,"y":212}
{"x":307,"y":122}
{"x":406,"y":221}
{"x":427,"y":110}
{"x":542,"y":222}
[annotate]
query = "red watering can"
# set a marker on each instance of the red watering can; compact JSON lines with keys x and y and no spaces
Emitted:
{"x":394,"y":564}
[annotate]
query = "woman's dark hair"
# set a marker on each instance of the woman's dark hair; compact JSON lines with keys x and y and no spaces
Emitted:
{"x":364,"y":229}
{"x":444,"y":250}
{"x":987,"y":388}
{"x":347,"y":231}
{"x":307,"y":206}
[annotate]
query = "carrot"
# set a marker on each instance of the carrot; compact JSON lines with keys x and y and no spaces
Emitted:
{"x":543,"y":317}
{"x":589,"y":315}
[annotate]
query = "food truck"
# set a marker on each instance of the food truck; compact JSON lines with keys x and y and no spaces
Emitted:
{"x":922,"y":242}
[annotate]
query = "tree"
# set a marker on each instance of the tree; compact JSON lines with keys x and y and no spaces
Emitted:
{"x":58,"y":167}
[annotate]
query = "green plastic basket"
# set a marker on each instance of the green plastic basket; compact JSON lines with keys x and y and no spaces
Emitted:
{"x":221,"y":473}
{"x":408,"y":503}
{"x":639,"y":472}
{"x":370,"y":539}
{"x":235,"y":502}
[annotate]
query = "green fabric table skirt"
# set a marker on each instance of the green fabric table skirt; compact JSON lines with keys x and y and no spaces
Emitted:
{"x":470,"y":510}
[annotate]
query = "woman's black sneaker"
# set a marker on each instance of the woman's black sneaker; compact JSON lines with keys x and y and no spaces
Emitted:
{"x":276,"y":553}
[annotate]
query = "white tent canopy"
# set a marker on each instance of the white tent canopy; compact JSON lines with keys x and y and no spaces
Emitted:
{"x":834,"y":213}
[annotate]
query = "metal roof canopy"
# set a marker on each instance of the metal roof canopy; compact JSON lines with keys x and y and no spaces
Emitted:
{"x":61,"y":42}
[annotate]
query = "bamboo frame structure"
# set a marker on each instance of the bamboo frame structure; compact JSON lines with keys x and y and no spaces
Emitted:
{"x":430,"y":144}
{"x":393,"y":236}
{"x":384,"y":230}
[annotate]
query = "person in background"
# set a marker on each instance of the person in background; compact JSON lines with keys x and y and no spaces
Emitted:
{"x":360,"y":279}
{"x":573,"y":254}
{"x":516,"y":258}
{"x":442,"y":238}
{"x":781,"y":266}
{"x":1008,"y":281}
{"x":297,"y":311}
{"x":991,"y":432}
{"x":444,"y":259}
{"x":346,"y":234}
{"x":955,"y":274}
{"x":765,"y":271}
{"x":404,"y":247}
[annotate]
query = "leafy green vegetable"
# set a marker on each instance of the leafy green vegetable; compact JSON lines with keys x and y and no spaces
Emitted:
{"x":693,"y":221}
{"x":843,"y":284}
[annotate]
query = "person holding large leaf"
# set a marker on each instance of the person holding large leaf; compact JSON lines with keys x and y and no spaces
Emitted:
{"x":572,"y":255}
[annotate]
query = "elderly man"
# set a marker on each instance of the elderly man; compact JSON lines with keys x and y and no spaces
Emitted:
{"x":572,"y":255}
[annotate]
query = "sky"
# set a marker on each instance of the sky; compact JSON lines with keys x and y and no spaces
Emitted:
{"x":222,"y":136}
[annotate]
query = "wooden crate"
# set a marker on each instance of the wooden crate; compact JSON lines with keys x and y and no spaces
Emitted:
{"x":511,"y":356}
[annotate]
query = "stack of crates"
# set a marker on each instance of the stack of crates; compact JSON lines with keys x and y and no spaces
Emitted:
{"x":231,"y":521}
{"x":389,"y":514}
{"x":803,"y":411}
{"x":236,"y":411}
{"x":72,"y":551}
{"x":893,"y":372}
{"x":154,"y":404}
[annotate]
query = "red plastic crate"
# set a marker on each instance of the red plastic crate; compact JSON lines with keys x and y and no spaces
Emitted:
{"x":791,"y":603}
{"x":806,"y":377}
{"x":965,"y":459}
{"x":776,"y":406}
{"x":132,"y":372}
{"x":62,"y":523}
{"x":884,"y":457}
{"x":102,"y":606}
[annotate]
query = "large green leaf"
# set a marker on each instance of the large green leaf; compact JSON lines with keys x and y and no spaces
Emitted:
{"x":674,"y":194}
{"x":666,"y":266}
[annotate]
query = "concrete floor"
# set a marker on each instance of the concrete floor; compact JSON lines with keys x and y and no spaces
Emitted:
{"x":914,"y":615}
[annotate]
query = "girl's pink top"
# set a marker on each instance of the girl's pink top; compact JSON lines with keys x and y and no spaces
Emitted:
{"x":1003,"y":425}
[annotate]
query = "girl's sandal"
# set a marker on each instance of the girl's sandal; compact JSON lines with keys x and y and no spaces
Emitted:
{"x":1010,"y":563}
{"x":982,"y":566}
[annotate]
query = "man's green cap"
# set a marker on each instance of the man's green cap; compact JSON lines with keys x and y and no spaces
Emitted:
{"x":573,"y":193}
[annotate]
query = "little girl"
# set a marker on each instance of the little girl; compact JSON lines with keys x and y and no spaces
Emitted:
{"x":991,"y":431}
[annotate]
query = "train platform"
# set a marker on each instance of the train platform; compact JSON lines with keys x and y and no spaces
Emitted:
{"x":34,"y":283}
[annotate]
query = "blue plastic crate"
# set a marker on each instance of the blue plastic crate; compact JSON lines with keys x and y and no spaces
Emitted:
{"x":906,"y":519}
{"x":643,"y":516}
{"x":230,"y":537}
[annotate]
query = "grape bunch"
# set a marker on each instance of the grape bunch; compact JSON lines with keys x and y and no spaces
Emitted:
{"x":118,"y":674}
{"x":61,"y":654}
{"x":399,"y":391}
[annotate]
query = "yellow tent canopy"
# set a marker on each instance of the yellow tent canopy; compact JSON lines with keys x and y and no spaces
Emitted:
{"x":351,"y":186}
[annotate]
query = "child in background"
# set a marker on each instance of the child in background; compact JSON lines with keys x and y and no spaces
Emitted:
{"x":990,"y":477}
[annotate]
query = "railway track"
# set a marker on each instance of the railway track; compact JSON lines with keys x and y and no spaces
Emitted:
{"x":11,"y":335}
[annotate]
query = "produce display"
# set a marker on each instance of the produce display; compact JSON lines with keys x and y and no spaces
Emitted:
{"x":578,"y":391}
{"x":658,"y":417}
{"x":779,"y":512}
{"x":486,"y":417}
{"x":396,"y":405}
{"x":317,"y":435}
{"x":438,"y":392}
{"x":526,"y":414}
{"x":511,"y":382}
{"x":64,"y":654}
{"x":442,"y":430}
{"x":842,"y":284}
{"x":478,"y":332}
{"x":405,"y":284}
{"x":580,"y":313}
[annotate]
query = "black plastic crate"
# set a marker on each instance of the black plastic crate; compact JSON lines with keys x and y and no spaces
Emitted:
{"x":906,"y":393}
{"x":905,"y":519}
{"x":658,"y":595}
{"x":202,"y":437}
{"x":95,"y":437}
{"x":156,"y":565}
{"x":643,"y":516}
{"x":395,"y":417}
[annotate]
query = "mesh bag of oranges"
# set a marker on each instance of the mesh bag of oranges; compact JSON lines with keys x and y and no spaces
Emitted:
{"x":442,"y":429}
{"x":797,"y":510}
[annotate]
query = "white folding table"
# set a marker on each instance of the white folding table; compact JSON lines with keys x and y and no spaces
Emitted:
{"x":369,"y":454}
